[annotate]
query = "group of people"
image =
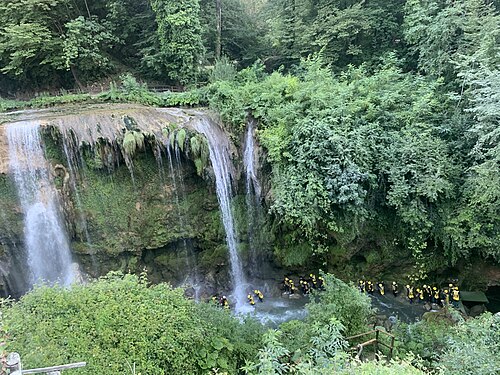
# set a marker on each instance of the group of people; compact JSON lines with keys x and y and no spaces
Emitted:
{"x":433,"y":294}
{"x":224,"y":302}
{"x":306,"y":284}
{"x":426,"y":293}
{"x":258,"y":294}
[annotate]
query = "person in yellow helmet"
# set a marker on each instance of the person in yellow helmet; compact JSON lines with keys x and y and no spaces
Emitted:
{"x":304,"y":286}
{"x":321,"y":283}
{"x":362,"y":286}
{"x":381,"y":288}
{"x":435,"y":295}
{"x":259,"y":295}
{"x":395,"y":289}
{"x":251,"y":301}
{"x":369,"y":287}
{"x":410,"y":293}
{"x":286,"y":283}
{"x":455,"y":296}
{"x":421,"y":295}
{"x":313,"y":280}
{"x":224,"y":302}
{"x":446,"y":297}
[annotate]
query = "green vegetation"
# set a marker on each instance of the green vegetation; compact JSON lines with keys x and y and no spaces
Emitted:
{"x":378,"y":126}
{"x":119,"y":323}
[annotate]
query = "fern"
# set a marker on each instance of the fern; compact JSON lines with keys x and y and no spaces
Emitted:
{"x":195,"y":146}
{"x":181,"y":138}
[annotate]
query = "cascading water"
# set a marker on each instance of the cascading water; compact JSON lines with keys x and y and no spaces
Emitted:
{"x":71,"y":158}
{"x":221,"y":164}
{"x":252,"y":198}
{"x":252,"y":183}
{"x":192,"y":277}
{"x":48,"y":253}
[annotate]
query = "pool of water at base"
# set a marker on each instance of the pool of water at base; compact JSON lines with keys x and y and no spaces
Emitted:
{"x":277,"y":310}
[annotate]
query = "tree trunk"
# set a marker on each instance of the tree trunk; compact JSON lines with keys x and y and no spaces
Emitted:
{"x":78,"y":83}
{"x":218,"y":41}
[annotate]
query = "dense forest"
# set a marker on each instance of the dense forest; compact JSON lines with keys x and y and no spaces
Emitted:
{"x":400,"y":99}
{"x":379,"y":121}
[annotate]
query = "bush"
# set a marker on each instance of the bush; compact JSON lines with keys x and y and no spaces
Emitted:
{"x":119,"y":321}
{"x":474,"y":347}
{"x":342,"y":301}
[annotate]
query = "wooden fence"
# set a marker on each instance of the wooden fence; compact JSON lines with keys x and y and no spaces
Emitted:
{"x":15,"y":367}
{"x":375,"y":341}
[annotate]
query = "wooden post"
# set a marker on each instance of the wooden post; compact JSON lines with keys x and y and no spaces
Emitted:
{"x":392,"y":345}
{"x":14,"y":364}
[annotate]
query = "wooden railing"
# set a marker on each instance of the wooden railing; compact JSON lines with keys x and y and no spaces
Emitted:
{"x":92,"y":90}
{"x":375,"y":341}
{"x":15,"y":367}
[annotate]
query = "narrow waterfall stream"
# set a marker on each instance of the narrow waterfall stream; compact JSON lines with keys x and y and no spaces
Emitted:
{"x":46,"y":244}
{"x":252,"y":183}
{"x":222,"y":165}
{"x":252,"y":198}
{"x":192,"y":277}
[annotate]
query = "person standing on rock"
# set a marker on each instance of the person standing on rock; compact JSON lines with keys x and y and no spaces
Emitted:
{"x":381,"y":288}
{"x":409,"y":293}
{"x":259,"y":295}
{"x":455,"y":296}
{"x":395,"y":289}
{"x":362,"y":286}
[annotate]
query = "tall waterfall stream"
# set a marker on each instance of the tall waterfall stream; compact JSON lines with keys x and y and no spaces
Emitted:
{"x":221,"y":163}
{"x":46,"y":244}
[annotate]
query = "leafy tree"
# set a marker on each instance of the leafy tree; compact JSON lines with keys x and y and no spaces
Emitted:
{"x":346,"y":31}
{"x":242,"y":34}
{"x":41,"y":39}
{"x":83,"y":47}
{"x":179,"y":36}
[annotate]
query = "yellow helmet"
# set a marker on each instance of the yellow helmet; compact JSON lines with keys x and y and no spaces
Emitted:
{"x":393,"y":283}
{"x":434,"y":288}
{"x":407,"y":285}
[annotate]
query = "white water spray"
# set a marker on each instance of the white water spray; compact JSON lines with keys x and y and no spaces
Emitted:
{"x":252,"y":182}
{"x":49,"y":257}
{"x":221,"y":164}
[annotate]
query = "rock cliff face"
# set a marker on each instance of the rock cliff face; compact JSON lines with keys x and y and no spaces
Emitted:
{"x":137,"y":192}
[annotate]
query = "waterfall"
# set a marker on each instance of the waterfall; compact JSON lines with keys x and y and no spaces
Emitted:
{"x":252,"y":183}
{"x":252,"y":199}
{"x":46,"y":245}
{"x":192,"y":276}
{"x":70,"y":157}
{"x":221,"y":164}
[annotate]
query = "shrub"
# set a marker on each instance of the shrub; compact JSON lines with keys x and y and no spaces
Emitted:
{"x":342,"y":301}
{"x":119,"y":321}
